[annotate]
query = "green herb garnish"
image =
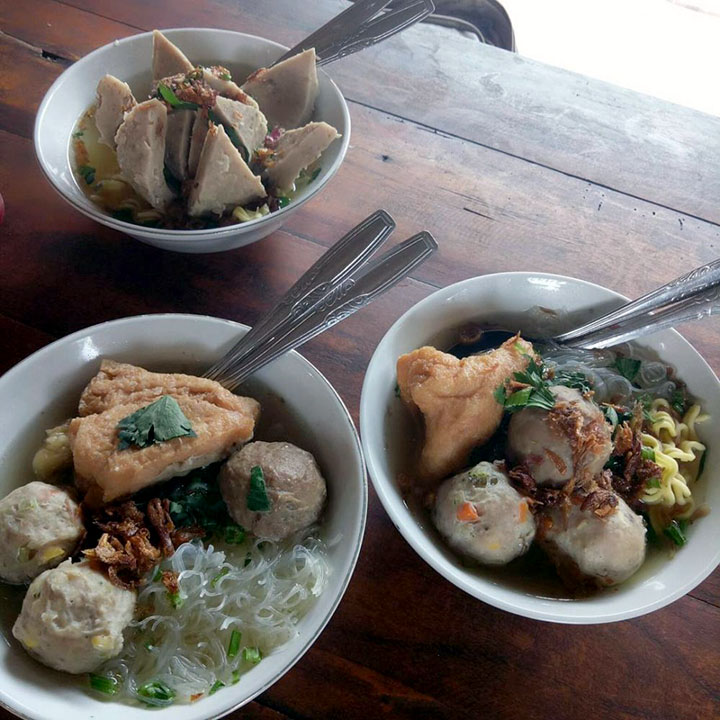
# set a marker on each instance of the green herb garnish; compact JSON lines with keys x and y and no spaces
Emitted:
{"x":219,"y":577}
{"x":252,"y":655}
{"x":78,"y":134}
{"x":257,"y":497}
{"x":148,"y":646}
{"x":234,"y":645}
{"x":627,"y":367}
{"x":158,"y":422}
{"x":653,"y":482}
{"x":611,"y":415}
{"x":225,"y":76}
{"x":156,"y":693}
{"x":678,"y":402}
{"x":648,"y":454}
{"x":283,"y":201}
{"x":234,"y":534}
{"x":216,"y":686}
{"x":235,"y":677}
{"x":536,"y":393}
{"x":173,"y":100}
{"x":88,"y":173}
{"x":106,"y":684}
{"x":676,"y":532}
{"x":176,"y":599}
{"x":575,"y":380}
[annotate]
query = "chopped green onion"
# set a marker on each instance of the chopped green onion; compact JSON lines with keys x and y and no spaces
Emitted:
{"x":648,"y":454}
{"x":678,"y":402}
{"x":225,"y":76}
{"x":235,"y":677}
{"x":88,"y":173}
{"x":157,"y":577}
{"x":78,"y":134}
{"x":173,"y":100}
{"x":252,"y":655}
{"x":216,"y":686}
{"x":676,"y":533}
{"x":104,"y":683}
{"x":653,"y":482}
{"x":219,"y":576}
{"x":234,"y":645}
{"x":156,"y":693}
{"x":176,"y":600}
{"x":234,"y":534}
{"x":283,"y":201}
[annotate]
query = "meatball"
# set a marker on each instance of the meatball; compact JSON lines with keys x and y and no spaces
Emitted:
{"x":73,"y":617}
{"x":571,"y":440}
{"x":40,"y":526}
{"x":588,"y":549}
{"x":293,"y":482}
{"x":482,"y":516}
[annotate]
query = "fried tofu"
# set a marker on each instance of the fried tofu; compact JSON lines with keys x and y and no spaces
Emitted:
{"x":220,"y":420}
{"x":456,"y":402}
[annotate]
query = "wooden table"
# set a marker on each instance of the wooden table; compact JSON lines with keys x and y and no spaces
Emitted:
{"x":512,"y":165}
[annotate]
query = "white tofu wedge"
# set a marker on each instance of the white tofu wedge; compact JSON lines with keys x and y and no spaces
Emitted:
{"x":167,"y":59}
{"x":177,"y":142}
{"x":287,"y":92}
{"x":197,"y":140}
{"x":227,"y":88}
{"x":248,"y":123}
{"x":141,"y":151}
{"x":295,"y":150}
{"x":114,"y":99}
{"x":223,"y":178}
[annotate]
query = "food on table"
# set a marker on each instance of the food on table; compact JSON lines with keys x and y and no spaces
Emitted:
{"x":165,"y":597}
{"x":273,"y":489}
{"x":73,"y":618}
{"x":286,"y":92}
{"x":482,"y":516}
{"x":597,"y":450}
{"x":455,"y":399}
{"x":40,"y":526}
{"x":201,"y":151}
{"x":570,"y":440}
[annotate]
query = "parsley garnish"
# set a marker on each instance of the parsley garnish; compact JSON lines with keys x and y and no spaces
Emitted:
{"x":575,"y":380}
{"x":158,"y":422}
{"x":257,"y":497}
{"x":536,"y":393}
{"x":173,"y":100}
{"x":88,"y":173}
{"x":627,"y":367}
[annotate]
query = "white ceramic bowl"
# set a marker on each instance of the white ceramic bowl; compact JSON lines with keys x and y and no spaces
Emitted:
{"x":44,"y":389}
{"x":130,"y":59}
{"x":508,"y":299}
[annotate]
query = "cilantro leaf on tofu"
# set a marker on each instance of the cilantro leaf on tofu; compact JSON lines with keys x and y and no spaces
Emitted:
{"x":257,"y":497}
{"x":536,"y":392}
{"x":158,"y":422}
{"x":627,"y":367}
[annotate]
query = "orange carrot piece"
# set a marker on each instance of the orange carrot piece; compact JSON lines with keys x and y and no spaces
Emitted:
{"x":467,"y":512}
{"x":523,"y":511}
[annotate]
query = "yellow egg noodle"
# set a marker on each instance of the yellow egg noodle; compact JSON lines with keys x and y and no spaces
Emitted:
{"x":677,"y":452}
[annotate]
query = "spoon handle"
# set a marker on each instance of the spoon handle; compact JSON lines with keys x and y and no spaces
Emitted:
{"x":354,"y":293}
{"x":355,"y":29}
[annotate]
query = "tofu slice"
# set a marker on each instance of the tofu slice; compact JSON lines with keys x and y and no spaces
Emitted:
{"x":295,"y":150}
{"x":223,"y":178}
{"x":226,"y":88}
{"x":248,"y":123}
{"x":221,"y":420}
{"x":167,"y":58}
{"x":177,"y":143}
{"x":287,"y":92}
{"x":141,"y":151}
{"x":114,"y":99}
{"x":197,"y":140}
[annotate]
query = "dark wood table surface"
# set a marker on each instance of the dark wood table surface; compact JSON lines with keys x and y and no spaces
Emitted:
{"x":512,"y":165}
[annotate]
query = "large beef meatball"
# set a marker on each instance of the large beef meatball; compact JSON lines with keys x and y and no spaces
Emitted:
{"x":73,"y":617}
{"x":295,"y":488}
{"x":482,"y":516}
{"x":40,"y":526}
{"x":571,"y":440}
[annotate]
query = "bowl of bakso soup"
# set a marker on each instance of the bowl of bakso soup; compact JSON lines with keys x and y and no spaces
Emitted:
{"x":191,"y":139}
{"x":563,"y":485}
{"x":167,"y":545}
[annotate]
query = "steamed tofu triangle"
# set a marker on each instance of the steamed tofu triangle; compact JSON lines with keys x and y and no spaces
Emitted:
{"x":455,"y":399}
{"x":247,"y":122}
{"x":177,"y":143}
{"x":141,"y":152}
{"x":295,"y":150}
{"x":114,"y":99}
{"x":223,"y":178}
{"x":167,"y":59}
{"x":197,"y":140}
{"x":126,"y":412}
{"x":218,"y":79}
{"x":286,"y":93}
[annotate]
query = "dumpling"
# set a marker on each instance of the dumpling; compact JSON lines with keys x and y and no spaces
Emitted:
{"x":167,"y":58}
{"x":286,"y":92}
{"x":114,"y":99}
{"x":248,"y":123}
{"x":177,"y":143}
{"x":141,"y":151}
{"x":223,"y":178}
{"x":295,"y":150}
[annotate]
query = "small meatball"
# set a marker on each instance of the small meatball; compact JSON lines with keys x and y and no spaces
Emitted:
{"x":73,"y":618}
{"x":40,"y":526}
{"x":588,"y":549}
{"x":482,"y":516}
{"x":571,"y":440}
{"x":293,"y":482}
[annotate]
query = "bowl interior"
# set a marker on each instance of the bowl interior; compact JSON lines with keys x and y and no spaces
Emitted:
{"x":130,"y":60}
{"x":300,"y":405}
{"x":534,"y":304}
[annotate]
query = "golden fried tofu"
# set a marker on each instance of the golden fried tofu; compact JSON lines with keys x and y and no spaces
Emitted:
{"x":455,"y":399}
{"x":221,"y":421}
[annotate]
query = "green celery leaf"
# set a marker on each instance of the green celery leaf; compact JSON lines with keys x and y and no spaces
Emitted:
{"x":627,"y":367}
{"x":257,"y":497}
{"x":158,"y":422}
